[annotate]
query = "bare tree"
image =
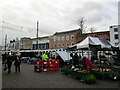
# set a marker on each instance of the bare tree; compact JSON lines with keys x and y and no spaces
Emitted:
{"x":92,"y":29}
{"x":81,"y":22}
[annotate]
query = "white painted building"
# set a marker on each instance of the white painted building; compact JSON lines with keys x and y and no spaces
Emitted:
{"x":13,"y":45}
{"x":114,"y":35}
{"x":43,"y":43}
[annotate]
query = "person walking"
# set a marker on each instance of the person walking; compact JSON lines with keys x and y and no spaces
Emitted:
{"x":9,"y":60}
{"x":17,"y":63}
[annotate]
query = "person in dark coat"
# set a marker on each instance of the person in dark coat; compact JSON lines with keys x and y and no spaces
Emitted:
{"x":17,"y":63}
{"x":71,"y":60}
{"x":9,"y":60}
{"x":3,"y":58}
{"x":75,"y":59}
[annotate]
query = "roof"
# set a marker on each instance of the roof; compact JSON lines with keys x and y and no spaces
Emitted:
{"x":98,"y":32}
{"x":64,"y":32}
{"x":40,"y":38}
{"x":114,"y":25}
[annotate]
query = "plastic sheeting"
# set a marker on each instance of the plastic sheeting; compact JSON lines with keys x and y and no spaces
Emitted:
{"x":64,"y":55}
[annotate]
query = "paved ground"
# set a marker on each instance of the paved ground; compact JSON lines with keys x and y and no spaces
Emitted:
{"x":27,"y":78}
{"x":0,"y":72}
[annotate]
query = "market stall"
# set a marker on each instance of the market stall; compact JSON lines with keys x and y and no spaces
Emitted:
{"x":50,"y":65}
{"x":93,"y":44}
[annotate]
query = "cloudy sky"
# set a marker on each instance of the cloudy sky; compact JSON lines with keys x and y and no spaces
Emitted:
{"x":18,"y":18}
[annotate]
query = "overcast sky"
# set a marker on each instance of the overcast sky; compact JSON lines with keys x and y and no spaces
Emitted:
{"x":20,"y":16}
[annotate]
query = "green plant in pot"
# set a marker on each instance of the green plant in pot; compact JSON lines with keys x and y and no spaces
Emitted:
{"x":89,"y":79}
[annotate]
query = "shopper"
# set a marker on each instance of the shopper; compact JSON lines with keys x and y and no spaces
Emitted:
{"x":17,"y":63}
{"x":3,"y":58}
{"x":9,"y":60}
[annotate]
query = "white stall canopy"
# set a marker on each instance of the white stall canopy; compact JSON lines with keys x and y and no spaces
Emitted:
{"x":94,"y":41}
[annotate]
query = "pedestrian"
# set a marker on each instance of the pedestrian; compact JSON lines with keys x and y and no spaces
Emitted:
{"x":3,"y":58}
{"x":87,"y":64}
{"x":9,"y":60}
{"x":17,"y":63}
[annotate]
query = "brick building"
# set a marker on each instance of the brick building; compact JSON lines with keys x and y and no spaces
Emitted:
{"x":104,"y":35}
{"x":68,"y":38}
{"x":64,"y":39}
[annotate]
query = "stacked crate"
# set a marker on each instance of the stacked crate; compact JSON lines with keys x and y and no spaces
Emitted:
{"x":54,"y":65}
{"x":50,"y":65}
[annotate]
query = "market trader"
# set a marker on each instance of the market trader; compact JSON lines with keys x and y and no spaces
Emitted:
{"x":86,"y":63}
{"x":45,"y":56}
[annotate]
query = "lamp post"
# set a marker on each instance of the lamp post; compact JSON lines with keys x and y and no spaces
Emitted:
{"x":37,"y":35}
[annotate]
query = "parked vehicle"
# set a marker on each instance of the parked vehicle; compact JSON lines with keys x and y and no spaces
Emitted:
{"x":25,"y":59}
{"x":31,"y":61}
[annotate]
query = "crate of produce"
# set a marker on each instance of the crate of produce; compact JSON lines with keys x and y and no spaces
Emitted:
{"x":106,"y":73}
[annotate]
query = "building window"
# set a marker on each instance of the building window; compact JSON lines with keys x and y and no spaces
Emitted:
{"x":63,"y":38}
{"x":58,"y":45}
{"x":54,"y":38}
{"x":67,"y":37}
{"x":110,"y":26}
{"x":67,"y":44}
{"x":43,"y":47}
{"x":72,"y":37}
{"x":116,"y":36}
{"x":54,"y":45}
{"x":116,"y":44}
{"x":63,"y":45}
{"x":58,"y":38}
{"x":115,"y":29}
{"x":72,"y":43}
{"x":39,"y":46}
